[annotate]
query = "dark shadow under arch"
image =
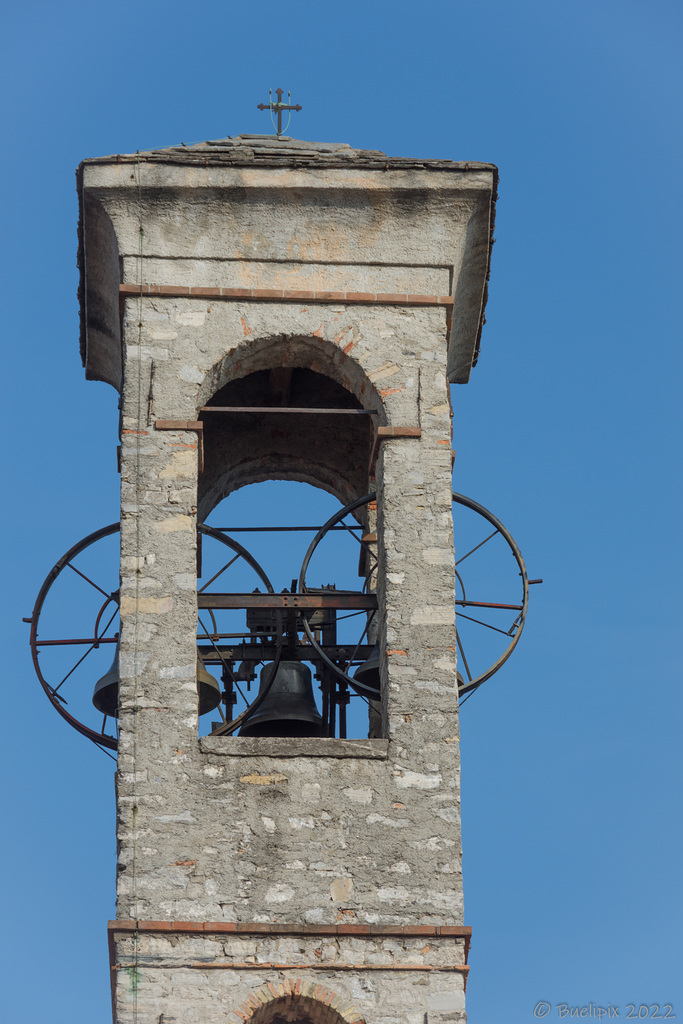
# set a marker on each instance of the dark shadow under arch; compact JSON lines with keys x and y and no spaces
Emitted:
{"x":302,"y":351}
{"x":331,"y":451}
{"x":298,"y":1009}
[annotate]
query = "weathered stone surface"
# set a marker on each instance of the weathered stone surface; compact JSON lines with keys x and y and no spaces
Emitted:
{"x":210,"y":979}
{"x":267,"y":830}
{"x":278,"y":746}
{"x":304,"y":217}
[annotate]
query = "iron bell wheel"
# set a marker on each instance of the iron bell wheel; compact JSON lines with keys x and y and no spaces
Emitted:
{"x":66,"y":665}
{"x":487,"y":631}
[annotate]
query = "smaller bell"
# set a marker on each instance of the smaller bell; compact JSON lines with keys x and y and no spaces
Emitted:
{"x":208,"y":689}
{"x":246,"y":671}
{"x":106,"y":693}
{"x":368,"y":673}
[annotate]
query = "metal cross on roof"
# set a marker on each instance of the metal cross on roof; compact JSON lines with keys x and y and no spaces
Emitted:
{"x":278,"y":107}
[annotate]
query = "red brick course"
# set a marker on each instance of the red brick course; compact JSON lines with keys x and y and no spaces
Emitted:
{"x":286,"y":295}
{"x":196,"y":425}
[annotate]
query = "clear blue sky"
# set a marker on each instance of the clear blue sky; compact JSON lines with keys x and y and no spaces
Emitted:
{"x":569,"y":431}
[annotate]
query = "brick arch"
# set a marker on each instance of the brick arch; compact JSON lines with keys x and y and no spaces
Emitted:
{"x":315,"y":353}
{"x":328,"y":452}
{"x":296,"y":1001}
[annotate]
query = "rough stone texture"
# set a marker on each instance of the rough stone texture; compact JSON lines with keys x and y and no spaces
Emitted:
{"x":233,"y":830}
{"x":312,"y":217}
{"x":200,"y":980}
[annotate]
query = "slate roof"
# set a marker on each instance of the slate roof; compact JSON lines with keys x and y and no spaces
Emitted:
{"x":271,"y":151}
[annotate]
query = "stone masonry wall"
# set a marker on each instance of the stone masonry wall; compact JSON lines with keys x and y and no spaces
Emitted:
{"x":202,"y":836}
{"x":264,"y":879}
{"x":232,"y":978}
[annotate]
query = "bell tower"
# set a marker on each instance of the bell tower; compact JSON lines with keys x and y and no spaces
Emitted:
{"x":277,"y":309}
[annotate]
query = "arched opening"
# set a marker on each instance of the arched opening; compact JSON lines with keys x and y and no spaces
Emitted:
{"x":258,"y":427}
{"x":286,"y":412}
{"x":300,"y":1009}
{"x":274,"y":523}
{"x":288,"y":418}
{"x":287,"y":408}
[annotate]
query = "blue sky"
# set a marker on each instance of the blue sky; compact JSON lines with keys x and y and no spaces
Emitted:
{"x":568,"y":431}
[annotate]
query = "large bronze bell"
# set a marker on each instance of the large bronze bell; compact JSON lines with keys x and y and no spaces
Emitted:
{"x":368,"y":673}
{"x":289,"y":707}
{"x":106,"y":693}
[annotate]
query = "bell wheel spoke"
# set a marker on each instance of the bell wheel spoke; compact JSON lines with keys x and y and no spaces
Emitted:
{"x":360,"y":641}
{"x":479,"y":622}
{"x":461,"y":649}
{"x":72,"y":670}
{"x":94,"y":640}
{"x":88,"y":580}
{"x":476,"y":547}
{"x":219,"y":573}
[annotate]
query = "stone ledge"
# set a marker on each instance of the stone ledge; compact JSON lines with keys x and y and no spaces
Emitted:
{"x":435,"y":931}
{"x":280,"y":746}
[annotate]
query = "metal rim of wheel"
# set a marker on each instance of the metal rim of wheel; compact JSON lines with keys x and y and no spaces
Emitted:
{"x":101,"y":738}
{"x":518,"y":625}
{"x":366,"y":691}
{"x":469,"y":685}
